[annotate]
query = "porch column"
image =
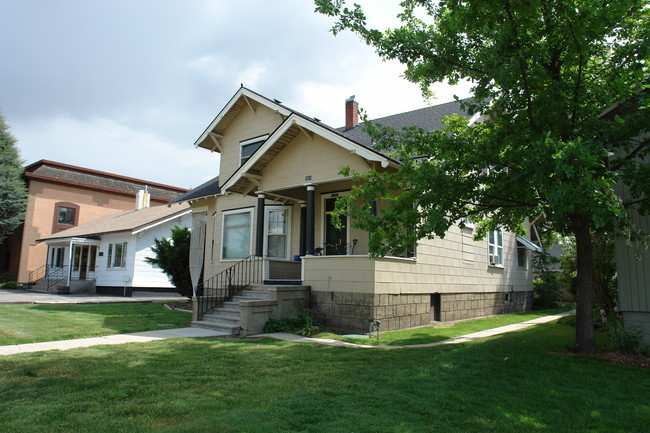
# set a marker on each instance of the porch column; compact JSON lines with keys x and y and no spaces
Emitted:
{"x":309,"y":229}
{"x":303,"y":228}
{"x":259,"y":238}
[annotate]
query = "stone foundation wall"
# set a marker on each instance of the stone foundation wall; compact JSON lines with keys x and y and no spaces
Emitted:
{"x":352,"y":312}
{"x":459,"y":306}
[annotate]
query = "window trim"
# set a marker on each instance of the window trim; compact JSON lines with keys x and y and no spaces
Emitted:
{"x":56,"y":225}
{"x":110,"y":260}
{"x":498,"y":247}
{"x":287,"y":234}
{"x":249,"y":210}
{"x":260,"y":139}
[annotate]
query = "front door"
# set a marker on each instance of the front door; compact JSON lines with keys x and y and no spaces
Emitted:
{"x":336,"y":238}
{"x":83,"y":264}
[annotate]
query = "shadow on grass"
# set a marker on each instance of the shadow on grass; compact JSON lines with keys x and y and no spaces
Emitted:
{"x":509,"y":383}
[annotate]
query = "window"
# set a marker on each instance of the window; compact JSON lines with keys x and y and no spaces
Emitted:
{"x":66,"y":215}
{"x":116,"y":255}
{"x":236,"y":234}
{"x":213,"y":241}
{"x":248,"y":147}
{"x":56,"y":257}
{"x":522,"y":256}
{"x":277,"y":232}
{"x":495,"y":248}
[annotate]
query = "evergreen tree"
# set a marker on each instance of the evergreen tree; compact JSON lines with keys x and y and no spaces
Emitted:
{"x":13,"y":193}
{"x":173,"y":257}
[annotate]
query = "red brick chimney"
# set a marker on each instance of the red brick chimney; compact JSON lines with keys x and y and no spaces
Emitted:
{"x":351,"y":113}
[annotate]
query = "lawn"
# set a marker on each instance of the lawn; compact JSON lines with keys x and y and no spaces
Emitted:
{"x":508,"y":383}
{"x":31,"y":323}
{"x":434,"y":333}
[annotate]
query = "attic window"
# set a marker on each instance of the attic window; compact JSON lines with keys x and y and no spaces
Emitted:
{"x":248,"y":147}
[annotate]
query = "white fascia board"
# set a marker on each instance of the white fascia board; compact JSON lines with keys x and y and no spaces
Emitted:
{"x":241,"y":92}
{"x":157,"y":223}
{"x":315,"y":128}
{"x":74,"y":240}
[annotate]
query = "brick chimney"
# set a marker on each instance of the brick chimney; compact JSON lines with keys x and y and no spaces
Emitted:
{"x":351,"y":113}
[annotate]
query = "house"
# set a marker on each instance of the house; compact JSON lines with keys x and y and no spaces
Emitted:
{"x":272,"y":202}
{"x":61,"y":196}
{"x":108,"y":255}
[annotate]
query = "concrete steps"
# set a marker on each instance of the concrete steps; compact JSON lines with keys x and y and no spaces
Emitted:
{"x":226,"y":319}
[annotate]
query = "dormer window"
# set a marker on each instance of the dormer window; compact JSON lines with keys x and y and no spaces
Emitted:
{"x":248,"y":147}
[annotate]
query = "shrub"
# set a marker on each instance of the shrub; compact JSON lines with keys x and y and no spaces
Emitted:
{"x":11,"y":285}
{"x":302,"y":325}
{"x":547,"y":291}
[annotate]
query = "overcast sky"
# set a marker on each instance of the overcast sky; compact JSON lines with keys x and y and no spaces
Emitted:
{"x":127,"y":86}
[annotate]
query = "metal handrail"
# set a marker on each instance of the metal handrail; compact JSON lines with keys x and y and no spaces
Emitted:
{"x":37,"y":275}
{"x":225,"y":285}
{"x":55,"y":275}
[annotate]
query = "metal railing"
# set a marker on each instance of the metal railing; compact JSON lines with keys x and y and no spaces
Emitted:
{"x":55,"y":275}
{"x":225,"y":285}
{"x":37,"y":275}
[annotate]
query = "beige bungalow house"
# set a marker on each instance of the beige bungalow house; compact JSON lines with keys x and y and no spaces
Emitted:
{"x":267,"y":216}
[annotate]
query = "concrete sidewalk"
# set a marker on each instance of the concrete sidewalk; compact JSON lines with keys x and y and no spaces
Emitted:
{"x":136,"y":337}
{"x":32,"y":297}
{"x":455,"y":340}
{"x":141,"y":337}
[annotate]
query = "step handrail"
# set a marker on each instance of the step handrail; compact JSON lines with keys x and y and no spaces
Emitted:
{"x":223,"y":286}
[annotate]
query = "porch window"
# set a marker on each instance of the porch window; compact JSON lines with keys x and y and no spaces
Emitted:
{"x":236,"y":234}
{"x":117,"y":255}
{"x":56,"y":257}
{"x":277,"y":232}
{"x":495,"y":247}
{"x":248,"y":147}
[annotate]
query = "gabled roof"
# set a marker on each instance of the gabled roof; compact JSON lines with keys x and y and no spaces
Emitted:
{"x":132,"y":221}
{"x":206,"y":189}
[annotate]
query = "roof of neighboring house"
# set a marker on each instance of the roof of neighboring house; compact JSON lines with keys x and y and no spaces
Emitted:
{"x":132,"y":221}
{"x":206,"y":189}
{"x":66,"y":174}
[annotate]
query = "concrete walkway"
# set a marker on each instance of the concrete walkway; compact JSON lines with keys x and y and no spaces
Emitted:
{"x":142,"y":337}
{"x":455,"y":340}
{"x":32,"y":297}
{"x":136,"y":337}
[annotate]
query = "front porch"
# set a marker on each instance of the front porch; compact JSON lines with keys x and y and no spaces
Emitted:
{"x":70,"y":267}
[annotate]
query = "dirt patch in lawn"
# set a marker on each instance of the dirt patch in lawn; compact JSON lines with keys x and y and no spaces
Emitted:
{"x":614,"y":357}
{"x":181,"y":306}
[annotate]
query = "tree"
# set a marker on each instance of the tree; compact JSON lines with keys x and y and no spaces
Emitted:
{"x":173,"y":257}
{"x":544,"y":75}
{"x":13,"y":193}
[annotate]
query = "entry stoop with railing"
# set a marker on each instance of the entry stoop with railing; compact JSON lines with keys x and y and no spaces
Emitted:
{"x":236,"y":301}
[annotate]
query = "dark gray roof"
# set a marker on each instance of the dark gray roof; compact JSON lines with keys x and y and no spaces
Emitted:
{"x":85,"y":177}
{"x":206,"y":189}
{"x":429,"y":119}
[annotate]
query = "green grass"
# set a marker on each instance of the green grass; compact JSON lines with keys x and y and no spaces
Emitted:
{"x":30,"y":323}
{"x":432,"y":334}
{"x":508,"y":383}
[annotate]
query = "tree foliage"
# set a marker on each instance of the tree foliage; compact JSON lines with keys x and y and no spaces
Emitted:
{"x":545,"y":75}
{"x":173,"y":257}
{"x":13,"y":193}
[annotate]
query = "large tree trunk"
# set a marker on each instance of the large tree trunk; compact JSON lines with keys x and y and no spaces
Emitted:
{"x":585,"y":341}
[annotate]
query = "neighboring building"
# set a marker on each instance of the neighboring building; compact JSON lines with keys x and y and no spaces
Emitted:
{"x":278,"y":182}
{"x":108,"y":255}
{"x":61,"y":196}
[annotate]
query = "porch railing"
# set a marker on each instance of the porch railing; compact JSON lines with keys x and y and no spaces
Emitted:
{"x":37,"y":275}
{"x":225,"y":285}
{"x":54,"y":275}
